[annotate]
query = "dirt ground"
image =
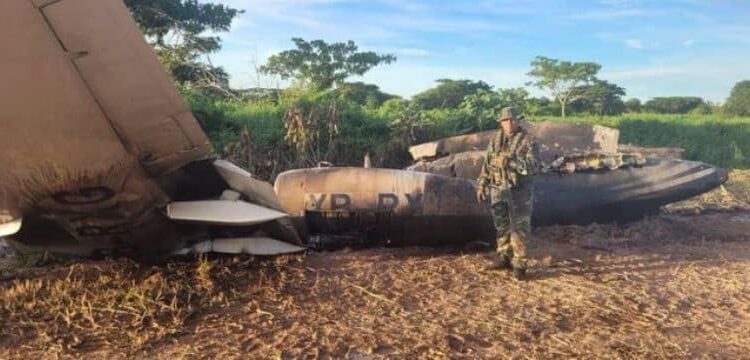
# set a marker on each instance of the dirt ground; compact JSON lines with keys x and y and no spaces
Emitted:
{"x":671,"y":286}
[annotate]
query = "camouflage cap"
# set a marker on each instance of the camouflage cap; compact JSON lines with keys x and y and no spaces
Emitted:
{"x":507,"y":113}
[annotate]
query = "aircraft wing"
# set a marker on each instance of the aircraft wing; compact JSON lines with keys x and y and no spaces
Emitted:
{"x":73,"y":105}
{"x":95,"y":140}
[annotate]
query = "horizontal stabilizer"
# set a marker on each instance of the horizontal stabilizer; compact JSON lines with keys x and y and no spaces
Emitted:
{"x":222,"y":212}
{"x":250,"y":245}
{"x":10,"y":228}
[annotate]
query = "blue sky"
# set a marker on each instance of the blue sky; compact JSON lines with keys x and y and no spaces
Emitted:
{"x":652,"y":48}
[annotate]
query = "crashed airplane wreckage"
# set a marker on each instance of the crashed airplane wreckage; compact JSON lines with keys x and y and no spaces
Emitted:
{"x":586,"y":180}
{"x":434,"y":202}
{"x":102,"y":156}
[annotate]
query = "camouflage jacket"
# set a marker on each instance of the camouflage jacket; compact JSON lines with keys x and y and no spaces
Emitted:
{"x":519,"y":154}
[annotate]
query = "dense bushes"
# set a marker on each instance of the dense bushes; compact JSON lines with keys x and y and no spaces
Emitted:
{"x":673,"y":104}
{"x":336,"y":129}
{"x":304,"y":127}
{"x":739,"y":99}
{"x":448,"y":94}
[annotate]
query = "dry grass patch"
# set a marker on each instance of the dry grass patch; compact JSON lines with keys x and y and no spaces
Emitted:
{"x":114,"y":304}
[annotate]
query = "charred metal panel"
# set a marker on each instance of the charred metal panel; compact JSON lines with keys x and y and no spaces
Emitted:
{"x":384,"y":206}
{"x":53,"y":132}
{"x":598,"y":196}
{"x":465,"y":165}
{"x":621,"y":195}
{"x":82,"y":100}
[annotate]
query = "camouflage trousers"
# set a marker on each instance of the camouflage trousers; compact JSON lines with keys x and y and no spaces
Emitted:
{"x":509,"y":243}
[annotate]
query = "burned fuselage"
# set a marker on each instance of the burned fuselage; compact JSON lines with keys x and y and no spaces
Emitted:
{"x":373,"y":207}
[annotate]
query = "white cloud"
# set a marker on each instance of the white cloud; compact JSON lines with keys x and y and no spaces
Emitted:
{"x":634,"y":43}
{"x":688,"y":42}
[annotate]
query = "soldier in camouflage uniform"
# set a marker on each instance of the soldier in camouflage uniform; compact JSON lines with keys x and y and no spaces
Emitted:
{"x":507,"y":171}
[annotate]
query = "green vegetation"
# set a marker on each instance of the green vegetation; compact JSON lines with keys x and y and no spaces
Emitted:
{"x":386,"y":131}
{"x":739,"y":100}
{"x":448,"y":93}
{"x":566,"y":81}
{"x":176,"y":29}
{"x":673,"y":104}
{"x":324,"y":118}
{"x":322,"y":65}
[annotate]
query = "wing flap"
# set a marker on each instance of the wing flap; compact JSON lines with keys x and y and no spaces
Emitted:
{"x":262,"y":246}
{"x":222,"y":212}
{"x":10,"y":228}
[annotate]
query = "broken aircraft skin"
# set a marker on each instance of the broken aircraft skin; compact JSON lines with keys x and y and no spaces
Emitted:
{"x":606,"y":186}
{"x":365,"y":207}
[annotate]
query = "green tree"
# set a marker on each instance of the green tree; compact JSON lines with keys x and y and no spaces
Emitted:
{"x":177,"y":30}
{"x":673,"y":104}
{"x":541,"y":106}
{"x":483,"y":106}
{"x":600,"y":98}
{"x":705,"y":108}
{"x":448,"y":93}
{"x":323,"y":65}
{"x":563,"y":79}
{"x":739,"y":99}
{"x":633,"y":105}
{"x":515,"y":97}
{"x":392,"y":107}
{"x":409,"y":127}
{"x":364,"y":94}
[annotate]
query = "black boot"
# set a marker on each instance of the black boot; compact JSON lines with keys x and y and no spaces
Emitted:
{"x":519,"y":272}
{"x":500,"y":262}
{"x":519,"y":268}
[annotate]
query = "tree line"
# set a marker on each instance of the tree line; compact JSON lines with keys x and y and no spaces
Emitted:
{"x":176,"y":29}
{"x":324,"y":116}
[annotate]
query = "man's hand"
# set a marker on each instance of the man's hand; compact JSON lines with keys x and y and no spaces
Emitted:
{"x":481,"y":193}
{"x":518,"y":166}
{"x":504,"y":161}
{"x":570,"y":167}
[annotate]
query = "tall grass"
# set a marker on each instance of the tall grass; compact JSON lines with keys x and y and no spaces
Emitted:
{"x":712,"y":139}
